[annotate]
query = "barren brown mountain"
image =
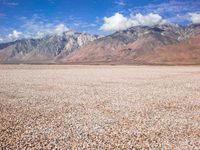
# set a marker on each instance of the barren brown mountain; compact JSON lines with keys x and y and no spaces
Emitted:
{"x":184,"y":52}
{"x":159,"y":44}
{"x":163,"y":44}
{"x":112,"y":50}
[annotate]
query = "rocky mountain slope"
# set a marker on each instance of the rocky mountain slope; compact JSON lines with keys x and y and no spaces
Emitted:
{"x":159,"y":44}
{"x":184,"y":52}
{"x":131,"y":45}
{"x":44,"y":50}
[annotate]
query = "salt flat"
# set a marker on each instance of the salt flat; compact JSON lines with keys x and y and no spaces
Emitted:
{"x":99,"y":107}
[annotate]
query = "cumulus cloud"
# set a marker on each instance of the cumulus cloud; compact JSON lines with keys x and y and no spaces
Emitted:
{"x":116,"y":22}
{"x":60,"y":28}
{"x":195,"y":17}
{"x":32,"y":29}
{"x":15,"y":34}
{"x":43,"y":30}
{"x":38,"y":26}
{"x":120,"y":22}
{"x":149,"y":20}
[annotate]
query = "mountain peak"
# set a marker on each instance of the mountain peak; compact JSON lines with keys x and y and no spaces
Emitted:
{"x":124,"y":46}
{"x":141,"y":43}
{"x":45,"y":49}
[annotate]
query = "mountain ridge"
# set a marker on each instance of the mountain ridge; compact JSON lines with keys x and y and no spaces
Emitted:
{"x":127,"y":46}
{"x":45,"y":49}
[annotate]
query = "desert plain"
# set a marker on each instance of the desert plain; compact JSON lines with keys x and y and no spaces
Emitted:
{"x":99,"y":107}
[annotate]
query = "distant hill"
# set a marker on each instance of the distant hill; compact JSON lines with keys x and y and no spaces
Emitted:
{"x":184,"y":52}
{"x":44,"y":50}
{"x":142,"y":45}
{"x":159,"y":44}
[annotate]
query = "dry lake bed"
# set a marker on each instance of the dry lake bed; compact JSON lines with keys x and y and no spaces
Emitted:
{"x":99,"y":107}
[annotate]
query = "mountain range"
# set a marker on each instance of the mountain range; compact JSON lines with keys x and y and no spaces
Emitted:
{"x":48,"y":49}
{"x":159,"y":44}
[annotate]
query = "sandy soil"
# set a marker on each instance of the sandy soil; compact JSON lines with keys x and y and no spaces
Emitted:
{"x":99,"y":107}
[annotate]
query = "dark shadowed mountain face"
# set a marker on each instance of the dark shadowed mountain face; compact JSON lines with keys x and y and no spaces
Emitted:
{"x":140,"y":44}
{"x":129,"y":45}
{"x":47,"y":49}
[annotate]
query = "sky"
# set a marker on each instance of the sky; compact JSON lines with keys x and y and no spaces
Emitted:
{"x":37,"y":18}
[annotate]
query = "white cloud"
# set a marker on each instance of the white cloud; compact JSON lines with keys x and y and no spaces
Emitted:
{"x":120,"y":2}
{"x":15,"y":34}
{"x":33,"y":29}
{"x":48,"y":30}
{"x":195,"y":17}
{"x":116,"y":22}
{"x":1,"y":39}
{"x":172,"y":7}
{"x":39,"y":34}
{"x":149,"y":20}
{"x":60,"y":28}
{"x":38,"y":27}
{"x":120,"y":22}
{"x":10,"y":3}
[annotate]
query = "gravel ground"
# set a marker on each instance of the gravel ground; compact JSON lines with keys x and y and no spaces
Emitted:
{"x":99,"y":107}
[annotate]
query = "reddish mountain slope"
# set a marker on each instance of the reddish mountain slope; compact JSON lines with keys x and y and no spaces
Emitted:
{"x":115,"y":51}
{"x":184,"y":52}
{"x":159,"y":44}
{"x":162,"y":44}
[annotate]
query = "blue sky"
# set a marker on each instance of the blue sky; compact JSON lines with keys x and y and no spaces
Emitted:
{"x":36,"y":18}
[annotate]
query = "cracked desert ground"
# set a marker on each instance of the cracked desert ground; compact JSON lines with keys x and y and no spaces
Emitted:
{"x":99,"y":107}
